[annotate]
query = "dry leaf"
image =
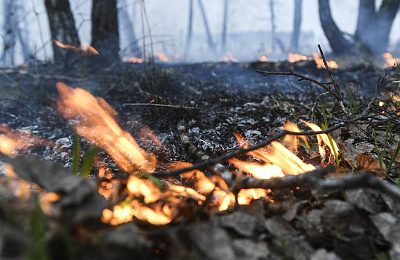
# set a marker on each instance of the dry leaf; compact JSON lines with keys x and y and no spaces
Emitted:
{"x":366,"y":162}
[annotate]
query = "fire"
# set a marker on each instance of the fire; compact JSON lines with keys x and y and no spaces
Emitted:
{"x":12,"y":141}
{"x":245,"y":196}
{"x":320,"y":63}
{"x":95,"y":121}
{"x":228,"y":58}
{"x":264,"y":58}
{"x":390,"y":61}
{"x":162,"y":57}
{"x":323,"y":141}
{"x":133,"y":60}
{"x":295,"y":57}
{"x":86,"y":48}
{"x":149,"y":200}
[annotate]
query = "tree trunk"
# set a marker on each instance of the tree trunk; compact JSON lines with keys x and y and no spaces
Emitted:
{"x":105,"y":35}
{"x":128,"y":29}
{"x":10,"y":29}
{"x":373,"y":28}
{"x":294,"y":43}
{"x":190,"y":30}
{"x":339,"y":44}
{"x":62,"y":27}
{"x":273,"y":26}
{"x":205,"y":20}
{"x":225,"y":27}
{"x":23,"y":31}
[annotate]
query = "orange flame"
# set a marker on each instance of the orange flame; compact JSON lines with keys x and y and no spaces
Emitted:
{"x":96,"y":123}
{"x":264,"y":58}
{"x":291,"y":141}
{"x":390,"y":61}
{"x":320,"y":62}
{"x":228,"y":58}
{"x":86,"y":48}
{"x":295,"y":57}
{"x":323,"y":140}
{"x":12,"y":141}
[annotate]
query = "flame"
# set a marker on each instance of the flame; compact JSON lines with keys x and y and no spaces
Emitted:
{"x":12,"y":141}
{"x":133,"y":60}
{"x":323,"y":140}
{"x":284,"y":160}
{"x":162,"y":57}
{"x":139,"y":187}
{"x":95,"y":122}
{"x":228,"y":57}
{"x":85,"y":48}
{"x":257,"y":170}
{"x":291,"y":141}
{"x":390,"y":61}
{"x":245,"y":196}
{"x":295,"y":57}
{"x":264,"y":58}
{"x":320,"y":62}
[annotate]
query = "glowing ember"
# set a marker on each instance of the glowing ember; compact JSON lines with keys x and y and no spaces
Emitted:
{"x":295,"y":57}
{"x":95,"y":122}
{"x":390,"y":61}
{"x":320,"y":62}
{"x":264,"y":58}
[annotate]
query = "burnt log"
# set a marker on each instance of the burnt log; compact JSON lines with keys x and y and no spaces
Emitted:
{"x":62,"y":27}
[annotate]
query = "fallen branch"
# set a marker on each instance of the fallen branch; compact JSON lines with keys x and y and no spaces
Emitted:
{"x":159,"y":105}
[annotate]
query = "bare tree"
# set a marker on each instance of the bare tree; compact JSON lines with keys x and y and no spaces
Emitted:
{"x":62,"y":27}
{"x":273,"y":25}
{"x":205,"y":20}
{"x":225,"y":26}
{"x":126,"y":26}
{"x":373,"y":27}
{"x":10,"y":29}
{"x":190,"y":30}
{"x":294,"y":43}
{"x":105,"y":35}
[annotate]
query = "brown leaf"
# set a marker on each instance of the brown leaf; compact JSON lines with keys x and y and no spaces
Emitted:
{"x":366,"y":162}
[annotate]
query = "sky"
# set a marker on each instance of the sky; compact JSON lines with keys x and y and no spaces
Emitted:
{"x":167,"y":20}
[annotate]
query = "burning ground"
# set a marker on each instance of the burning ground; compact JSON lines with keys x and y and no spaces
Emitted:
{"x":297,"y":197}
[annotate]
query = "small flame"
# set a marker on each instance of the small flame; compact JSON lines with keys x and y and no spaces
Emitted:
{"x":291,"y":141}
{"x":277,"y":155}
{"x":390,"y":61}
{"x":264,"y":58}
{"x":320,"y":62}
{"x":86,"y":48}
{"x":162,"y":57}
{"x":323,"y":140}
{"x":245,"y":196}
{"x":12,"y":141}
{"x":96,"y":123}
{"x":133,"y":60}
{"x":228,"y":58}
{"x":295,"y":57}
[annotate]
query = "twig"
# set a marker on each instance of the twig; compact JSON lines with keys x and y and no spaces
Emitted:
{"x":365,"y":111}
{"x":159,"y":105}
{"x":301,"y":77}
{"x":359,"y":181}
